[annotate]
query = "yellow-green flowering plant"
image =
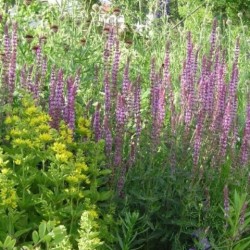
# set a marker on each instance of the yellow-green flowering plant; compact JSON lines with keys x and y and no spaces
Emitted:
{"x":48,"y":174}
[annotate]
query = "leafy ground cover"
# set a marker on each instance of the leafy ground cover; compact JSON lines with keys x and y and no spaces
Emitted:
{"x":123,"y":129}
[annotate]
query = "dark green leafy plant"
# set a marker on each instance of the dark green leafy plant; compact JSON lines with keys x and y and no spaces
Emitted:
{"x":237,"y":225}
{"x":132,"y":226}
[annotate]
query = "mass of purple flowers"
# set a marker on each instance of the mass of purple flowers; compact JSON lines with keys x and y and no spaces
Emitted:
{"x":205,"y":114}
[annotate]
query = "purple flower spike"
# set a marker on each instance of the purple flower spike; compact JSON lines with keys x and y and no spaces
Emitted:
{"x":121,"y":182}
{"x":97,"y":123}
{"x":120,"y":123}
{"x":120,"y":111}
{"x":243,"y":213}
{"x":11,"y":53}
{"x":213,"y":39}
{"x":115,"y":69}
{"x":246,"y":138}
{"x":198,"y":139}
{"x":71,"y":95}
{"x":56,"y":99}
{"x":23,"y":77}
{"x":152,"y":82}
{"x":226,"y":201}
{"x":220,"y":104}
{"x":39,"y":57}
{"x":44,"y":67}
{"x":132,"y":154}
{"x":126,"y":82}
{"x":107,"y":136}
{"x":137,"y":107}
{"x":226,"y":126}
{"x":107,"y":94}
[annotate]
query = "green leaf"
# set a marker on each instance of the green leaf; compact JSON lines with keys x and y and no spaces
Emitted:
{"x":105,"y":172}
{"x":35,"y":237}
{"x":21,"y":232}
{"x":47,"y":238}
{"x":9,"y":243}
{"x":12,"y":244}
{"x":104,"y":195}
{"x":120,"y":241}
{"x":50,"y":225}
{"x":58,"y":238}
{"x":42,"y":229}
{"x":243,"y":245}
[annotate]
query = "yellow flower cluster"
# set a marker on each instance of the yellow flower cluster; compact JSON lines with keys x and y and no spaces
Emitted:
{"x":45,"y":137}
{"x":10,"y":120}
{"x":76,"y":177}
{"x":32,"y":130}
{"x":83,"y":127}
{"x":30,"y":111}
{"x":81,"y":166}
{"x":3,"y":163}
{"x":43,"y":128}
{"x":65,"y":134}
{"x":41,"y":119}
{"x":62,"y":154}
{"x":18,"y":162}
{"x":74,"y":192}
{"x":8,"y":197}
{"x":30,"y":134}
{"x":23,"y":143}
{"x":15,"y":132}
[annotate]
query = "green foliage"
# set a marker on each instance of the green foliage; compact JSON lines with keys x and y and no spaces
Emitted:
{"x":237,"y":11}
{"x":55,"y":188}
{"x":8,"y":244}
{"x":237,"y":226}
{"x":50,"y":235}
{"x":132,"y":226}
{"x":46,"y":175}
